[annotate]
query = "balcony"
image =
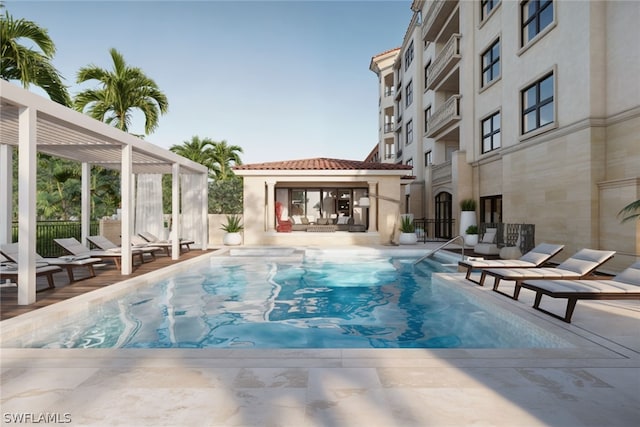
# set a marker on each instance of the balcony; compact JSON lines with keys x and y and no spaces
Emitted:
{"x":389,"y":127}
{"x":441,"y":174}
{"x":436,"y":17}
{"x":444,"y":116}
{"x":389,"y":91}
{"x":445,"y":61}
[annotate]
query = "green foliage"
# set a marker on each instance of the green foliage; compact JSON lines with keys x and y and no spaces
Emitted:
{"x":406,"y":225}
{"x":31,"y":64}
{"x":120,"y":92}
{"x":468,"y":205}
{"x":216,"y":156}
{"x":233,"y":225}
{"x":630,"y":212}
{"x":472,"y":229}
{"x":225,"y":197}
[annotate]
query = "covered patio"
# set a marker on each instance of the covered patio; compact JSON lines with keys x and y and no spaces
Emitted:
{"x":322,"y":201}
{"x":34,"y":124}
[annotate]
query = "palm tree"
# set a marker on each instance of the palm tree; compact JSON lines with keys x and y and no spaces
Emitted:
{"x":632,"y":210}
{"x":121,"y":91}
{"x":198,"y":150}
{"x":222,"y":157}
{"x":29,"y":66}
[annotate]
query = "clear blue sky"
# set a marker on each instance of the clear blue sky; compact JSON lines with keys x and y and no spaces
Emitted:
{"x":282,"y":79}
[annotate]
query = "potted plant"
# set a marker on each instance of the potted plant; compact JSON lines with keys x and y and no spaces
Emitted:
{"x":468,"y":215}
{"x":407,"y":231}
{"x":471,"y":235}
{"x":233,"y":227}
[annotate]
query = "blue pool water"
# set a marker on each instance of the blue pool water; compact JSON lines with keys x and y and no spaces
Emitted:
{"x":372,"y":302}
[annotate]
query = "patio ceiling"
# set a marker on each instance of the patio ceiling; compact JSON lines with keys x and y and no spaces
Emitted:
{"x":68,"y":134}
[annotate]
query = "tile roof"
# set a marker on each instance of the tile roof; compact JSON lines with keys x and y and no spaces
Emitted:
{"x":322,"y":163}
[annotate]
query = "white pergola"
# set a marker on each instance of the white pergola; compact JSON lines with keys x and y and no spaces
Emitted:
{"x":33,"y":123}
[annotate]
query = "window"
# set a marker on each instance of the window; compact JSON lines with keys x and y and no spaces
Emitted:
{"x":428,"y":158}
{"x":491,"y":133}
{"x":408,"y":56}
{"x":491,"y":209}
{"x":409,"y":137}
{"x":486,"y":6}
{"x":427,"y":115}
{"x":536,"y":16}
{"x":491,"y":63}
{"x":409,"y":91}
{"x":537,"y":104}
{"x":426,"y":74}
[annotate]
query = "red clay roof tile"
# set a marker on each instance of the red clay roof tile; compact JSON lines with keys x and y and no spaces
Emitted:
{"x":322,"y":163}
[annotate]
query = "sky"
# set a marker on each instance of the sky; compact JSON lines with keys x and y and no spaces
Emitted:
{"x":284,"y":80}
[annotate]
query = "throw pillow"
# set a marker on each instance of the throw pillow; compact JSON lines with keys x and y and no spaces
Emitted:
{"x":489,"y":235}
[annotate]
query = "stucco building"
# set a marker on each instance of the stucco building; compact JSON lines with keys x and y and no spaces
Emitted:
{"x":322,"y":201}
{"x":532,"y":108}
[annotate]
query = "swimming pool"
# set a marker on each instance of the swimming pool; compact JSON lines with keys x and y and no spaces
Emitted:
{"x":297,"y":302}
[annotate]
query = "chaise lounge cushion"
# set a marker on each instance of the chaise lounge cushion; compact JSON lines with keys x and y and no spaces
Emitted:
{"x":625,"y":285}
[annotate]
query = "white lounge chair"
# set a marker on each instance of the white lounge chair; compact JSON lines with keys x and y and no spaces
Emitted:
{"x":105,"y":244}
{"x":536,"y":257}
{"x":624,"y":286}
{"x":77,"y":249}
{"x":10,"y":251}
{"x":9,"y":270}
{"x":578,"y":266}
{"x":164,"y":244}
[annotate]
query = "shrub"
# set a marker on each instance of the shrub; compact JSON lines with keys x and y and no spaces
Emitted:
{"x":406,"y":225}
{"x":468,"y":205}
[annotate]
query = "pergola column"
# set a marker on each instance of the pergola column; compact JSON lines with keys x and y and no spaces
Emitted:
{"x":126,"y":225}
{"x":175,"y":211}
{"x":85,"y":203}
{"x":271,"y":207}
{"x":27,"y":137}
{"x":373,"y":208}
{"x":205,"y":211}
{"x":6,"y":192}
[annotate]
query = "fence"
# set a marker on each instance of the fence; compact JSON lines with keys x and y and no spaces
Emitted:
{"x":433,"y":229}
{"x":46,"y":231}
{"x":521,"y":235}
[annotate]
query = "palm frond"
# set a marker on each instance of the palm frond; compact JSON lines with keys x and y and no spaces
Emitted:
{"x":630,"y":212}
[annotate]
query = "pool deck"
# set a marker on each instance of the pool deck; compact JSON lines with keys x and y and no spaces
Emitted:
{"x":595,"y":382}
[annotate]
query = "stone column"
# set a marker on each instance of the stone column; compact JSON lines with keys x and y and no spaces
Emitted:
{"x":373,"y":206}
{"x":271,"y":206}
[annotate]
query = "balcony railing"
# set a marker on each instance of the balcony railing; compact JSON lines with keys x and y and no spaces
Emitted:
{"x":435,"y":18}
{"x":389,"y":127}
{"x":441,"y":174}
{"x":445,"y":61}
{"x":443,"y":116}
{"x":389,"y":91}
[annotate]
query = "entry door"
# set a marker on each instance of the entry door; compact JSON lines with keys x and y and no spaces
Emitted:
{"x":444,"y":221}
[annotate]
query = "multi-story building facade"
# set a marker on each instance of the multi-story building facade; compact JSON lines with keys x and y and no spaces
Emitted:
{"x":532,"y":108}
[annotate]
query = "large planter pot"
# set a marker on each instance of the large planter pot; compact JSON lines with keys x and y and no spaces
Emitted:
{"x":408,"y":238}
{"x":467,"y":218}
{"x":470,"y":239}
{"x":232,"y":239}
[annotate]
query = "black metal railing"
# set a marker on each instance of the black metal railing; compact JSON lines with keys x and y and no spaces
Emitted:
{"x":46,"y":231}
{"x":433,"y":230}
{"x":521,"y":235}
